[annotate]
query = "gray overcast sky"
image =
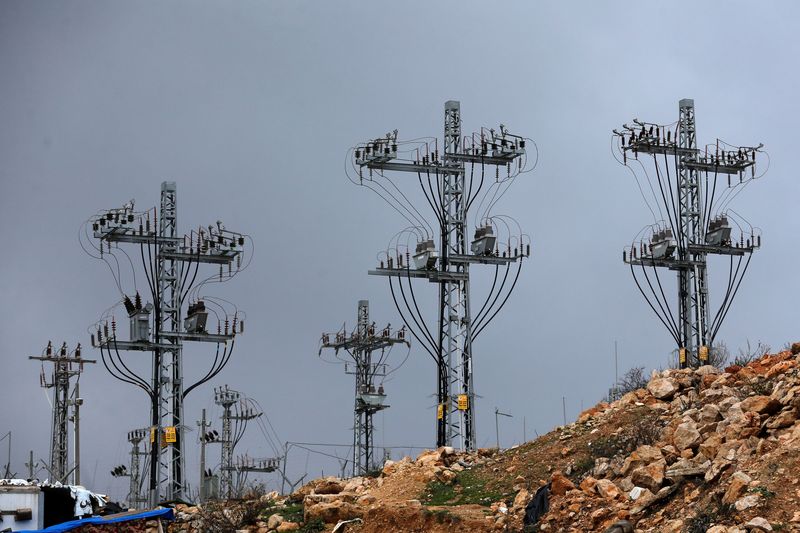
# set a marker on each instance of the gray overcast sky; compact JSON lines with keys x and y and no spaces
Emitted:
{"x":251,"y":106}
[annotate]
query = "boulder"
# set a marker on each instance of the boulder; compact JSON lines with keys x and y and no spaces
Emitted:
{"x":761,"y":405}
{"x":274,"y":521}
{"x":608,"y":490}
{"x":559,"y":484}
{"x":737,"y":487}
{"x":332,"y":512}
{"x":662,"y":388}
{"x":288,"y":526}
{"x":749,"y":501}
{"x":758,"y":524}
{"x":686,"y":436}
{"x":650,"y":476}
{"x":588,"y":485}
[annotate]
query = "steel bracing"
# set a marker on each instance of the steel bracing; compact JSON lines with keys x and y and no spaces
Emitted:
{"x":694,"y":225}
{"x":369,"y":396}
{"x":451,"y":195}
{"x":135,"y":497}
{"x":171,"y":263}
{"x":66,"y":365}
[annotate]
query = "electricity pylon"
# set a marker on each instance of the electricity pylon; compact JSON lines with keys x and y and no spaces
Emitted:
{"x":135,"y":497}
{"x":167,"y":259}
{"x":451,"y":196}
{"x":360,"y":345}
{"x":234,"y":411}
{"x":691,"y":230}
{"x":66,"y":365}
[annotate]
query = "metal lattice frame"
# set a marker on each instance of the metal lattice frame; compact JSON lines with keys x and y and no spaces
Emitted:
{"x":451,"y":345}
{"x":226,"y":397}
{"x":65,"y":367}
{"x":360,"y":345}
{"x":135,"y":497}
{"x":694,"y":331}
{"x":455,"y":324}
{"x":693,"y":315}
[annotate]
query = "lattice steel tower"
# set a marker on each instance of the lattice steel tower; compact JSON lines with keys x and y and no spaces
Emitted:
{"x":226,"y":398}
{"x":135,"y":497}
{"x":451,"y":196}
{"x":171,"y":264}
{"x":369,"y":399}
{"x":66,"y":365}
{"x":692,"y":229}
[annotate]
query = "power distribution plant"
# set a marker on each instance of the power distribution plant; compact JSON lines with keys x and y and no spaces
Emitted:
{"x":177,"y":313}
{"x":693,"y":222}
{"x":66,"y":365}
{"x":450,"y":191}
{"x":360,"y":344}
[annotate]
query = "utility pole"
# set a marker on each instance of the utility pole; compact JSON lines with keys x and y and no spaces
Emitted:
{"x":693,"y":230}
{"x":226,"y":397}
{"x":135,"y":497}
{"x":451,"y":195}
{"x":171,"y":263}
{"x":497,"y":414}
{"x":76,"y":403}
{"x":236,"y":412}
{"x":7,"y":474}
{"x":203,"y":425}
{"x":66,"y":365}
{"x":360,"y":345}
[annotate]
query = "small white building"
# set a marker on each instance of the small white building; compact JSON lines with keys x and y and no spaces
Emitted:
{"x":21,"y":506}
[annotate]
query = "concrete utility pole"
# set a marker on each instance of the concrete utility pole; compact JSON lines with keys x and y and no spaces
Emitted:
{"x":360,"y":345}
{"x":452,"y":192}
{"x":696,"y":225}
{"x":203,"y":425}
{"x":171,"y":263}
{"x":66,"y":365}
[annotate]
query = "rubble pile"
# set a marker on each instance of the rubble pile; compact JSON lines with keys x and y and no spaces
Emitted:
{"x":726,"y":458}
{"x":697,"y":450}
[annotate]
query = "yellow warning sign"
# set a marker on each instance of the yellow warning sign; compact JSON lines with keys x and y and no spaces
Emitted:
{"x":439,"y":411}
{"x":463,"y":402}
{"x":170,"y":434}
{"x":682,"y":355}
{"x":152,"y":435}
{"x":704,"y":353}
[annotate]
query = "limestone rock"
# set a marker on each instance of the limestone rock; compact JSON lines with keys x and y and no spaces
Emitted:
{"x":560,"y":484}
{"x":662,"y":388}
{"x":650,"y":476}
{"x":288,"y":526}
{"x":274,"y":521}
{"x":760,"y":404}
{"x":608,"y":490}
{"x":739,"y":483}
{"x":686,"y":436}
{"x":749,"y":501}
{"x":332,"y":512}
{"x":759,"y":524}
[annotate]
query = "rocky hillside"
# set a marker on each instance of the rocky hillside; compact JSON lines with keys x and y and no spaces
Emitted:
{"x":695,"y":451}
